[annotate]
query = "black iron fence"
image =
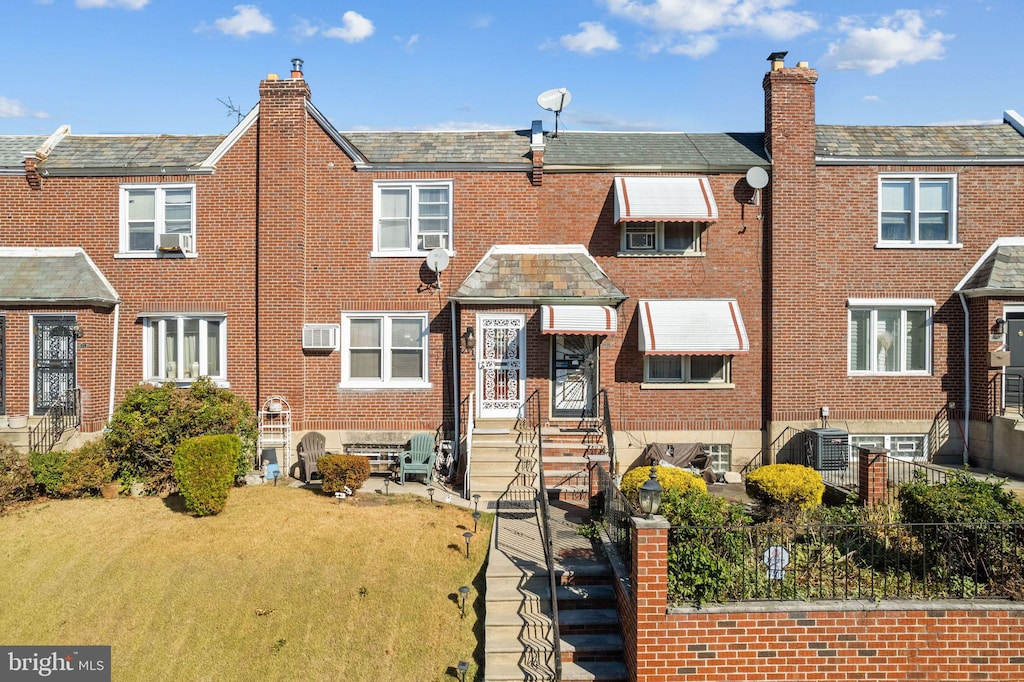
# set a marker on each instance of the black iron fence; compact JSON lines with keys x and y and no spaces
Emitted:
{"x":1006,"y":393}
{"x":825,"y":562}
{"x":843,"y":473}
{"x":617,"y":510}
{"x":64,"y":413}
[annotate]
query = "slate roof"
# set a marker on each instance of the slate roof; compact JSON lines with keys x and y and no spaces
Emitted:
{"x":980,"y":141}
{"x":1002,"y":269}
{"x":14,"y":148}
{"x":538,"y":274}
{"x":669,"y":151}
{"x":113,"y":152}
{"x":488,"y":146}
{"x":34,"y":276}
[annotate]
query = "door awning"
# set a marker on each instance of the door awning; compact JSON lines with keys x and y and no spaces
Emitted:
{"x":578,"y":319}
{"x":664,"y":198}
{"x":692,"y":327}
{"x":35,"y":276}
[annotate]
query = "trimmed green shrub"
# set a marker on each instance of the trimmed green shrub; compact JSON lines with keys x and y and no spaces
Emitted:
{"x":16,"y":482}
{"x":670,"y":478}
{"x":205,"y":468}
{"x":152,"y":421}
{"x":339,"y":471}
{"x":961,"y":498}
{"x":76,"y":472}
{"x":785,"y":490}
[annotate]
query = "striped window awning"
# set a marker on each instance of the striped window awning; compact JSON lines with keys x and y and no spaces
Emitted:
{"x":664,"y":198}
{"x":692,"y":327}
{"x":578,"y":319}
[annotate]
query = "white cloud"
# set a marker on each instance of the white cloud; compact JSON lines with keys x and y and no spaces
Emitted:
{"x":871,"y":98}
{"x":897,"y":40}
{"x":12,"y":108}
{"x":303,"y":29}
{"x":593,"y":37}
{"x":354,"y":27}
{"x":970,"y":122}
{"x":695,"y":21}
{"x":126,"y":4}
{"x":248,"y":19}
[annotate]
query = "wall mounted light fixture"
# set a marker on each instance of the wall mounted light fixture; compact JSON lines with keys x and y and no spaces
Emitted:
{"x":1000,"y":326}
{"x":467,"y":342}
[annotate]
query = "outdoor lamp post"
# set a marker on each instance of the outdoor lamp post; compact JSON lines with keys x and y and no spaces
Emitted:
{"x":650,"y":494}
{"x":430,"y":491}
{"x":476,"y":518}
{"x":463,"y":668}
{"x":463,"y":593}
{"x":476,"y":502}
{"x":387,"y":482}
{"x":468,"y":536}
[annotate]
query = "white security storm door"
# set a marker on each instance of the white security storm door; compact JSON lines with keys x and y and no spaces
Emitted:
{"x":574,"y":376}
{"x":500,"y":365}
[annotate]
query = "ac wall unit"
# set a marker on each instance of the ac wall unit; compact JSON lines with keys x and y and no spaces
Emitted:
{"x":640,"y":240}
{"x":320,"y":336}
{"x":433,"y":240}
{"x":176,"y":242}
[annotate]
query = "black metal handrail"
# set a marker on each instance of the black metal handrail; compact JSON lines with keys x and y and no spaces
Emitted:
{"x":533,"y":405}
{"x":617,"y":511}
{"x":64,"y":413}
{"x":1006,"y":393}
{"x":609,"y":435}
{"x":781,"y":441}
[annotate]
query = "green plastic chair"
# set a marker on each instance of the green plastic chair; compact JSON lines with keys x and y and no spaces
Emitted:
{"x":419,"y":458}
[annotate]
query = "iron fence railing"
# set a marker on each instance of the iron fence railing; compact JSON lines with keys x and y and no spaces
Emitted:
{"x":1006,"y":393}
{"x":787,"y":447}
{"x":532,"y":413}
{"x":606,"y":426}
{"x":846,"y":477}
{"x":824,"y":562}
{"x":64,"y":413}
{"x":617,"y":511}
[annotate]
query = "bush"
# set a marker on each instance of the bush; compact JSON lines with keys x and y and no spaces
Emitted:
{"x":152,"y":421}
{"x":16,"y":480}
{"x":205,"y":468}
{"x":79,"y":471}
{"x":785,"y":490}
{"x":962,"y":498}
{"x":670,"y":478}
{"x":339,"y":471}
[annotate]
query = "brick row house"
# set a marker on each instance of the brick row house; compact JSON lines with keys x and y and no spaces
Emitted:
{"x":642,"y":269}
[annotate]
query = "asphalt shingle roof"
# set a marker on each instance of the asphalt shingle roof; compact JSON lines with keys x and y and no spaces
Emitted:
{"x":489,"y":146}
{"x":681,"y":151}
{"x":52,"y":275}
{"x":538,"y":275}
{"x":130,"y":151}
{"x":14,"y":149}
{"x":982,"y":141}
{"x":1003,"y":269}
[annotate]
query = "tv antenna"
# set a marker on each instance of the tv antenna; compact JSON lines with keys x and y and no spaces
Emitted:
{"x":437,"y":260}
{"x":555,"y":100}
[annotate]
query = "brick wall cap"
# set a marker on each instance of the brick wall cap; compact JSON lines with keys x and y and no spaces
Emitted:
{"x":655,"y":522}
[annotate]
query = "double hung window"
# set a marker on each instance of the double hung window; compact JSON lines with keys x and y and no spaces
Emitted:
{"x":412,"y":217}
{"x":917,"y":210}
{"x":384,"y":349}
{"x":148,"y":212}
{"x":184,"y":348}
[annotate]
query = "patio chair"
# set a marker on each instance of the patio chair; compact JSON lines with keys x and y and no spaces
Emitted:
{"x":419,"y":458}
{"x":311,"y":449}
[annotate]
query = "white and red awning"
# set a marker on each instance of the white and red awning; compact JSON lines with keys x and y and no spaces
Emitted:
{"x":692,"y":327}
{"x":578,"y":319}
{"x":664,"y":198}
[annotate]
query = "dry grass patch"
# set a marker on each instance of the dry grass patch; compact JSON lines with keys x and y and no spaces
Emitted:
{"x":284,"y":584}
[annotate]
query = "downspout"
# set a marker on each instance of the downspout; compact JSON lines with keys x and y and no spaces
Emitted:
{"x":456,"y":387}
{"x":967,"y":373}
{"x":113,"y":359}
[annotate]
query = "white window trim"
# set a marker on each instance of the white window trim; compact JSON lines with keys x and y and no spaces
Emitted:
{"x":873,"y":306}
{"x":153,"y":324}
{"x":914,"y":242}
{"x":725,"y":382}
{"x":886,"y":439}
{"x":385,"y":382}
{"x":699,"y":226}
{"x":123,"y":251}
{"x":416,"y":185}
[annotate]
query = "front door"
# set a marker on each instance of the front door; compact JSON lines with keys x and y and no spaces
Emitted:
{"x":500,"y":365}
{"x":574,"y":376}
{"x":53,"y":366}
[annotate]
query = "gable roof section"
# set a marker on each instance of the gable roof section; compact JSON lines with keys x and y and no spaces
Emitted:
{"x":651,"y":152}
{"x":999,"y":271}
{"x":979,"y":144}
{"x":48,"y":276}
{"x":538,"y":274}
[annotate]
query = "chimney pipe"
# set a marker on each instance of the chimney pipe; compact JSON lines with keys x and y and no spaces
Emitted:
{"x":777,"y":60}
{"x":296,"y":68}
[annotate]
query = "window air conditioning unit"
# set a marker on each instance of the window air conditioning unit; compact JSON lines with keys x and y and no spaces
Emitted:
{"x":433,"y":240}
{"x":176,"y":243}
{"x":320,"y":336}
{"x":637,"y":241}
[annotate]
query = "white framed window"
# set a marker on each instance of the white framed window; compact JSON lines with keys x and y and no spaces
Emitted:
{"x":183,"y":348}
{"x":912,"y":446}
{"x":890,"y":338}
{"x":721,"y":457}
{"x":158,"y":219}
{"x":384,"y":350}
{"x":687,"y":369}
{"x":917,"y":210}
{"x":411,"y":218}
{"x":661,"y":237}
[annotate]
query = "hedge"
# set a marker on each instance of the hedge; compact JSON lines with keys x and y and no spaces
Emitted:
{"x":338,"y":471}
{"x":205,"y":468}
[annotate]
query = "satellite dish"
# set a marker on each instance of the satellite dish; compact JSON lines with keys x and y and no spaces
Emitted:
{"x":555,"y":100}
{"x":757,"y":177}
{"x":437,"y":260}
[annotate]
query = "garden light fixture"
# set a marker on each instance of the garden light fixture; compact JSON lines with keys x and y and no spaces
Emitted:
{"x":468,"y":537}
{"x":650,"y":494}
{"x":463,"y":668}
{"x":476,"y":502}
{"x":476,"y":518}
{"x":463,"y":593}
{"x":430,"y":491}
{"x":387,"y":482}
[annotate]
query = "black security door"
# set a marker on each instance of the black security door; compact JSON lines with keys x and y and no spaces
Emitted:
{"x":54,"y":363}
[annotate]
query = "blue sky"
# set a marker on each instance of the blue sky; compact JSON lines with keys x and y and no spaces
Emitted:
{"x":160,"y":66}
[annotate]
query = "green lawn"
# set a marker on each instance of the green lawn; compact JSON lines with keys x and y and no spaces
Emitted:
{"x":284,"y":584}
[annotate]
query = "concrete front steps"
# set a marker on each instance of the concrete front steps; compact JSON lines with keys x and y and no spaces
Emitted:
{"x":19,"y":437}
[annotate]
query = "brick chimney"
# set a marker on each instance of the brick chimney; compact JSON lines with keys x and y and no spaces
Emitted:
{"x":790,"y":210}
{"x":537,"y":153}
{"x":283,"y":131}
